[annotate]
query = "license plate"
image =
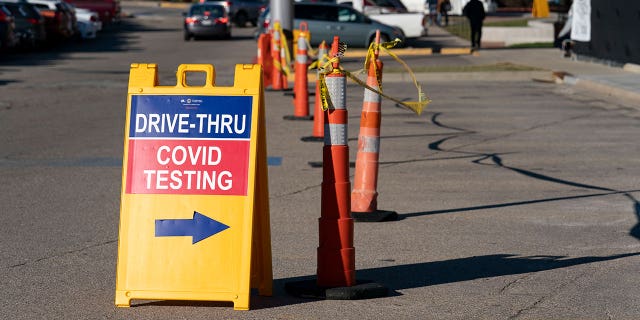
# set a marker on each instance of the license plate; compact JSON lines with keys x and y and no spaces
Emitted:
{"x":206,"y":22}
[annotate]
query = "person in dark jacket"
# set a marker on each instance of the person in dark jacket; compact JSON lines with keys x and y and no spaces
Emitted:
{"x":474,"y":11}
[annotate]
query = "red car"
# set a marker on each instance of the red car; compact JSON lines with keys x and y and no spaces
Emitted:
{"x":60,"y":20}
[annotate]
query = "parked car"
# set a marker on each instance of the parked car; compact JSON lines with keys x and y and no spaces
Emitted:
{"x":108,"y":10}
{"x":7,"y":25}
{"x":326,"y":20}
{"x":29,"y":24}
{"x":243,"y":11}
{"x":88,"y":23}
{"x":207,"y":20}
{"x":60,"y":20}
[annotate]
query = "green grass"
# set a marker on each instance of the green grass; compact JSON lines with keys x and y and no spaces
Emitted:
{"x":459,"y":26}
{"x":503,"y":66}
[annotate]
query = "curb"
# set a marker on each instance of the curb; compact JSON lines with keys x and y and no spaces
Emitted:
{"x":174,"y":5}
{"x":469,"y":76}
{"x":361,"y":53}
{"x":545,"y":76}
{"x":603,"y":88}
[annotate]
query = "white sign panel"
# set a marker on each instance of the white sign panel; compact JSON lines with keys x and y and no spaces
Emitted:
{"x":581,"y":21}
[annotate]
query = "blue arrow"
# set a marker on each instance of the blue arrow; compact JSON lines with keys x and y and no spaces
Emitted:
{"x":200,"y":227}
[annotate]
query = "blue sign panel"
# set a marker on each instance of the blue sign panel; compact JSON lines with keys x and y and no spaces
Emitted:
{"x":194,"y":117}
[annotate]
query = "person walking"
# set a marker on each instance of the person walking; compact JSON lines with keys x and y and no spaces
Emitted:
{"x":444,"y":6}
{"x":432,"y":11}
{"x":474,"y":11}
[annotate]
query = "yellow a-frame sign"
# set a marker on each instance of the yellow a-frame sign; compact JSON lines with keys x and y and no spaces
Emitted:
{"x":194,"y":215}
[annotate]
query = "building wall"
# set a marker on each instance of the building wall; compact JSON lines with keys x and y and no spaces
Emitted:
{"x":615,"y":32}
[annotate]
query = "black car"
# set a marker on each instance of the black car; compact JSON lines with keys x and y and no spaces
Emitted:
{"x":29,"y":24}
{"x":7,"y":24}
{"x":243,"y":11}
{"x":207,"y":20}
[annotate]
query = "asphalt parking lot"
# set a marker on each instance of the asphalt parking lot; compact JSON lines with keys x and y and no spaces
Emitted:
{"x":517,"y":199}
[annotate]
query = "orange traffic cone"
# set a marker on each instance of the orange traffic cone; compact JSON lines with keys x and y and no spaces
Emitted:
{"x":336,"y":254}
{"x":277,"y":74}
{"x":264,"y":58}
{"x":318,"y":119}
{"x":301,"y":90}
{"x":364,"y":197}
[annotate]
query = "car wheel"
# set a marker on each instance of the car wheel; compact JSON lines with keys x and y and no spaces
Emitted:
{"x":187,"y":36}
{"x":254,"y":23}
{"x":241,"y":19}
{"x":383,"y":38}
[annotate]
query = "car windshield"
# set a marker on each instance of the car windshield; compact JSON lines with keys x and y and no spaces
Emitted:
{"x":212,"y":11}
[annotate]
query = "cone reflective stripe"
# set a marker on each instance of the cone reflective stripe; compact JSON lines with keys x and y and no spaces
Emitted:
{"x":336,"y":254}
{"x":335,"y":126}
{"x":318,"y":120}
{"x":276,"y":70}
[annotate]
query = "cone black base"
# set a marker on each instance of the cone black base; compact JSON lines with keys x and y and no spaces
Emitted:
{"x":362,"y":290}
{"x":318,"y":164}
{"x":275,"y":90}
{"x":375,"y":216}
{"x":297,"y":118}
{"x":312,"y":139}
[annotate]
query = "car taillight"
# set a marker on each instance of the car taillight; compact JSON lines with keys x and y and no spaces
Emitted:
{"x":265,"y":24}
{"x":190,"y":20}
{"x":33,"y":21}
{"x":47,"y":13}
{"x":222,"y":20}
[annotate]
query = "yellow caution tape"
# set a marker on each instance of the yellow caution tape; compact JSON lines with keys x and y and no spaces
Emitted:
{"x":283,"y":44}
{"x":415,"y":106}
{"x":324,"y":93}
{"x":326,"y":65}
{"x":310,"y":51}
{"x":372,"y":55}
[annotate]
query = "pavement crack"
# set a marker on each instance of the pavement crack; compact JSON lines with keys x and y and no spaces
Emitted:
{"x":61,"y":254}
{"x":530,"y":307}
{"x":295,"y":192}
{"x":553,"y":293}
{"x":511,"y":283}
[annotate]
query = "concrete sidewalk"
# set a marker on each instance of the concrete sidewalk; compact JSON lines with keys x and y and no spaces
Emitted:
{"x":620,"y":82}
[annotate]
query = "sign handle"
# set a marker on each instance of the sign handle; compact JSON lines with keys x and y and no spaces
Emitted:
{"x":181,"y":75}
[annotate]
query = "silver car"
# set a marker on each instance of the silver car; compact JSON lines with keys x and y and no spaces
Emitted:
{"x":326,"y":20}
